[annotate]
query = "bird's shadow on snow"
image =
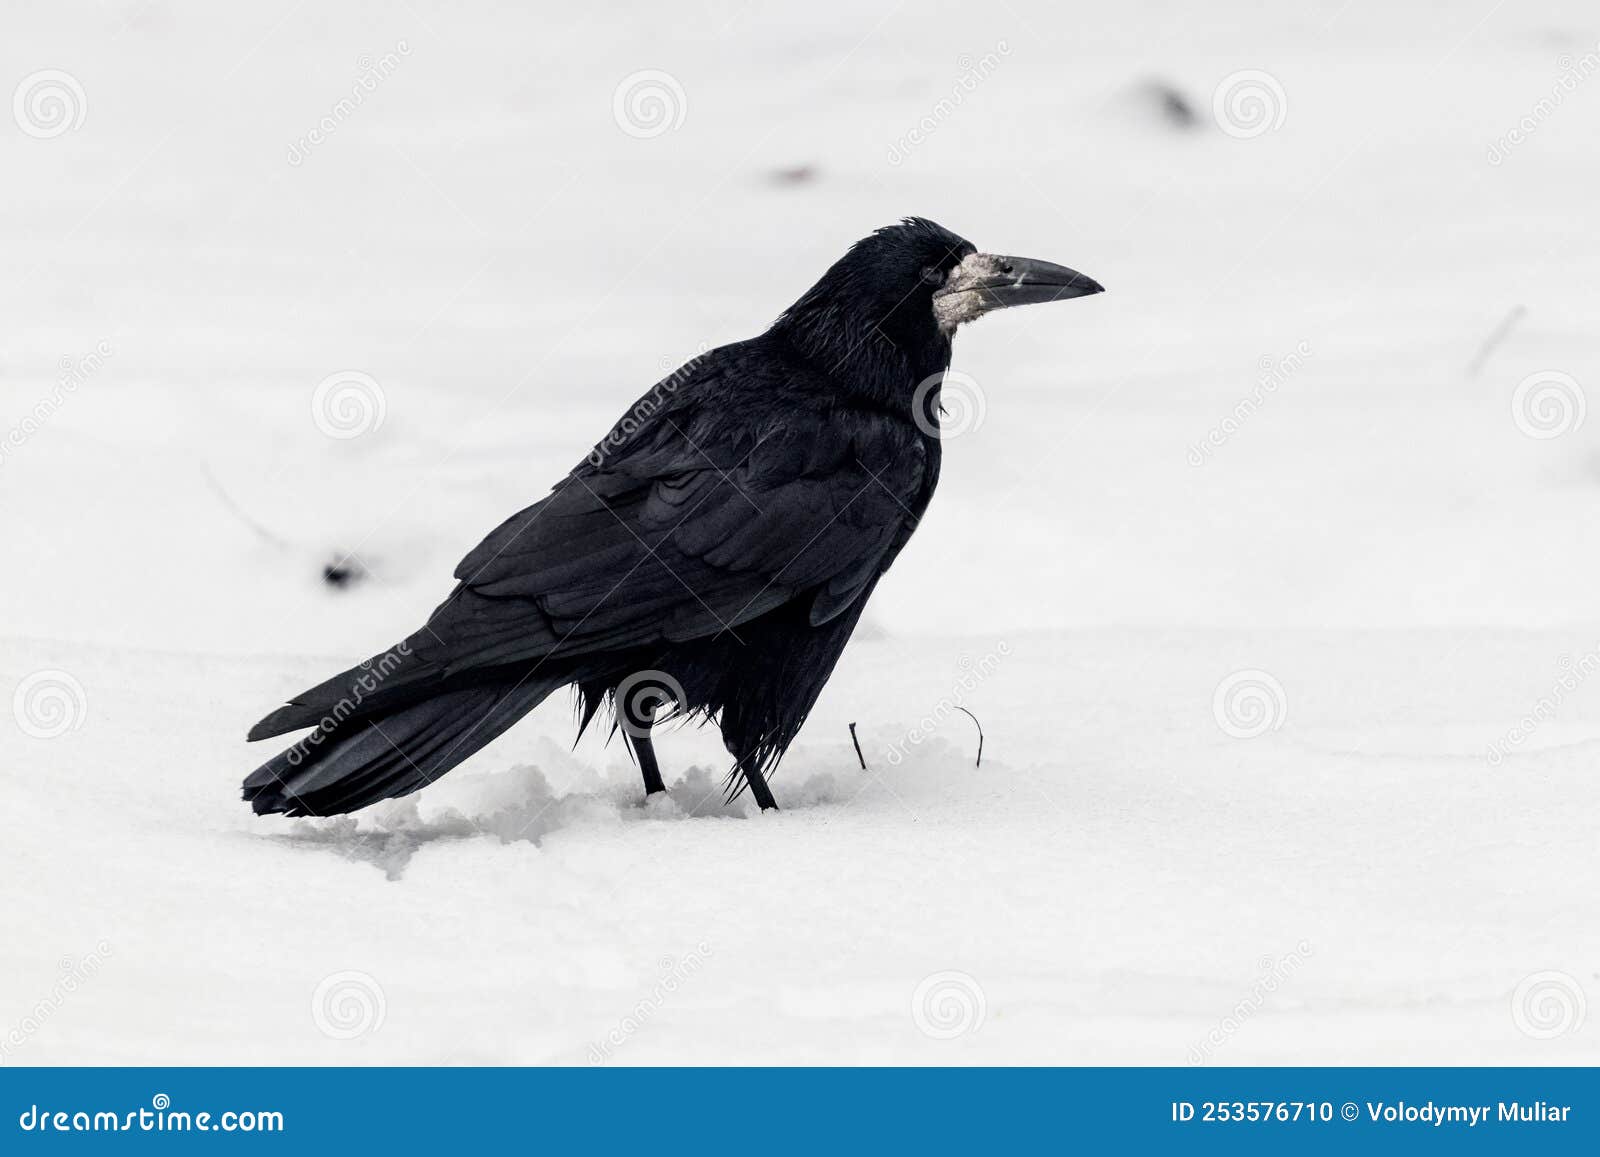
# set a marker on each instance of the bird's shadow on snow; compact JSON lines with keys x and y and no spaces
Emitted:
{"x":520,"y":805}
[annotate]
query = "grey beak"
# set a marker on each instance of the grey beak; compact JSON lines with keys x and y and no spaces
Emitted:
{"x":1024,"y":281}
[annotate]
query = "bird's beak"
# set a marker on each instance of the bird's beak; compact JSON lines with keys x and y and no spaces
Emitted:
{"x":998,"y":281}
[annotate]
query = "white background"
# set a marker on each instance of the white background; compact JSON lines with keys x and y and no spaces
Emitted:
{"x":1382,"y":536}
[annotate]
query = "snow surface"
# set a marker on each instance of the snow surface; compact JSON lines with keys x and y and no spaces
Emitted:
{"x":1399,"y":868}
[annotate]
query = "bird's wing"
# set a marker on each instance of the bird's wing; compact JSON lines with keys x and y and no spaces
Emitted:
{"x":688,"y":532}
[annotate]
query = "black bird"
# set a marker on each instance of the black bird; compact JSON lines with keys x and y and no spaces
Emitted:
{"x":714,"y":551}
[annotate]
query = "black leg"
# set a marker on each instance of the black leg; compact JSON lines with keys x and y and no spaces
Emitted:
{"x":638,"y":723}
{"x":647,"y":765}
{"x":758,"y":784}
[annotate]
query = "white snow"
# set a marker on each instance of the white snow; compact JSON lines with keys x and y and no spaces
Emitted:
{"x":1380,"y":539}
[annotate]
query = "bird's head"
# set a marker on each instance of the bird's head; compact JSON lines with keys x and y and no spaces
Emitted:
{"x":900,"y":294}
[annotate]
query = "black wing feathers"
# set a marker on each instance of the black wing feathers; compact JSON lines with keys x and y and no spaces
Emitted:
{"x":695,"y":524}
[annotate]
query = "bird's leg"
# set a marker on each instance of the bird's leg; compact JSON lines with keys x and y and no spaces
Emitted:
{"x":639,"y":734}
{"x":758,"y":783}
{"x":647,"y":765}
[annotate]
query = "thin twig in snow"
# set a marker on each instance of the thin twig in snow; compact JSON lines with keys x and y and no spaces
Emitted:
{"x":857,"y":742}
{"x":238,"y":512}
{"x":1490,"y":343}
{"x":979,"y":726}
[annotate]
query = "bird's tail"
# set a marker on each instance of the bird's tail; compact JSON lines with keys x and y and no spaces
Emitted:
{"x":350,"y":764}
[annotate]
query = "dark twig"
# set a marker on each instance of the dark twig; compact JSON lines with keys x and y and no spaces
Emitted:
{"x":979,"y":726}
{"x":1492,"y":342}
{"x":857,"y":742}
{"x":238,"y":511}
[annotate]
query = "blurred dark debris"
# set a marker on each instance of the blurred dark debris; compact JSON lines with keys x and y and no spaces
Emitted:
{"x":1556,"y":38}
{"x":1168,"y":103}
{"x":793,"y":175}
{"x":343,"y":572}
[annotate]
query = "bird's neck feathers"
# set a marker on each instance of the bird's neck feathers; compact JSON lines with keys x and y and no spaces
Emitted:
{"x":876,"y":350}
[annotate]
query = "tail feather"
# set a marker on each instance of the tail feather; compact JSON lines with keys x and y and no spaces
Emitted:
{"x":357,"y":762}
{"x":386,"y":681}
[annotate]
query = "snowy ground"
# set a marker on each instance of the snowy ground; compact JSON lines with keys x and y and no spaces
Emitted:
{"x":1399,"y":867}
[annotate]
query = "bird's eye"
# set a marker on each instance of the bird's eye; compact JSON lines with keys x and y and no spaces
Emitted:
{"x":932,"y":274}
